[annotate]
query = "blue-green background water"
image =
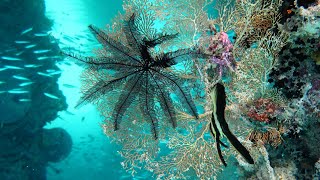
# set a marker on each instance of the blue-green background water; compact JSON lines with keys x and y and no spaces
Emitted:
{"x":93,"y":156}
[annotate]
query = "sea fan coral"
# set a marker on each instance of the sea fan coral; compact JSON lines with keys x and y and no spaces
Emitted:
{"x":144,"y":75}
{"x":189,"y":150}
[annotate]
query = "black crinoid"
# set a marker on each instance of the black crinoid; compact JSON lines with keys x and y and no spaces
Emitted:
{"x":144,"y":77}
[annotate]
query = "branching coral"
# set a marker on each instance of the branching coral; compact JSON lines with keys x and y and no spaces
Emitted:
{"x":253,"y":70}
{"x":253,"y":20}
{"x":190,"y":152}
{"x":188,"y":17}
{"x":254,"y":63}
{"x":137,"y":147}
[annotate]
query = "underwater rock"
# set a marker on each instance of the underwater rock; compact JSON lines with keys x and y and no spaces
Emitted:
{"x":24,"y":108}
{"x":56,"y":144}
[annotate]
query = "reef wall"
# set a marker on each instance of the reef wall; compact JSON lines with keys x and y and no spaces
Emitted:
{"x":28,"y":74}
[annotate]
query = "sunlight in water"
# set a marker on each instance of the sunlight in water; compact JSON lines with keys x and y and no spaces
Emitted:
{"x":70,"y":28}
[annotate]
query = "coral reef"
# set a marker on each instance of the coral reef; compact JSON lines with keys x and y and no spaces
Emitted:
{"x":265,"y":53}
{"x":295,"y":76}
{"x":297,"y":65}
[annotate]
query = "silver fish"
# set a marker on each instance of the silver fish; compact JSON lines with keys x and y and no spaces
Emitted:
{"x":32,"y":65}
{"x":69,"y":86}
{"x":41,"y":34}
{"x":51,"y":96}
{"x":122,"y":177}
{"x":8,"y":58}
{"x":22,"y":42}
{"x":21,"y":78}
{"x":43,"y":57}
{"x":44,"y":74}
{"x":19,"y":53}
{"x":13,"y":67}
{"x":55,"y":73}
{"x":1,"y":92}
{"x":3,"y":69}
{"x":55,"y":57}
{"x":51,"y":70}
{"x":68,"y":112}
{"x":24,"y":100}
{"x":25,"y":84}
{"x":2,"y":82}
{"x":17,"y":91}
{"x":12,"y":49}
{"x":26,"y":31}
{"x":30,"y":46}
{"x":41,"y":51}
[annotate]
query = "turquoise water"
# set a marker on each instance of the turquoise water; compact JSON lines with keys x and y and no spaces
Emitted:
{"x":93,"y":156}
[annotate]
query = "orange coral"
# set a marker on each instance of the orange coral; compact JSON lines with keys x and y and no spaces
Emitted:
{"x":262,"y":21}
{"x":271,"y":136}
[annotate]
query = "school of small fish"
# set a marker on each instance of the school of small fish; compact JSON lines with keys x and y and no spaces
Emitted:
{"x":12,"y":62}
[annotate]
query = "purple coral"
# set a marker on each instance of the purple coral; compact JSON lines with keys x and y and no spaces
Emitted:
{"x":221,"y":48}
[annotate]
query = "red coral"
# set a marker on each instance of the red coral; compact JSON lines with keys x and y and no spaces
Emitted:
{"x":262,"y":110}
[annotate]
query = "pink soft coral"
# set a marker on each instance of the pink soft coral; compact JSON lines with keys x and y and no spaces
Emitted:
{"x":221,"y":48}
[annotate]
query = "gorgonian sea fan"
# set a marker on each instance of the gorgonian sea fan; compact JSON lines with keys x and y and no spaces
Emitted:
{"x":145,"y":77}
